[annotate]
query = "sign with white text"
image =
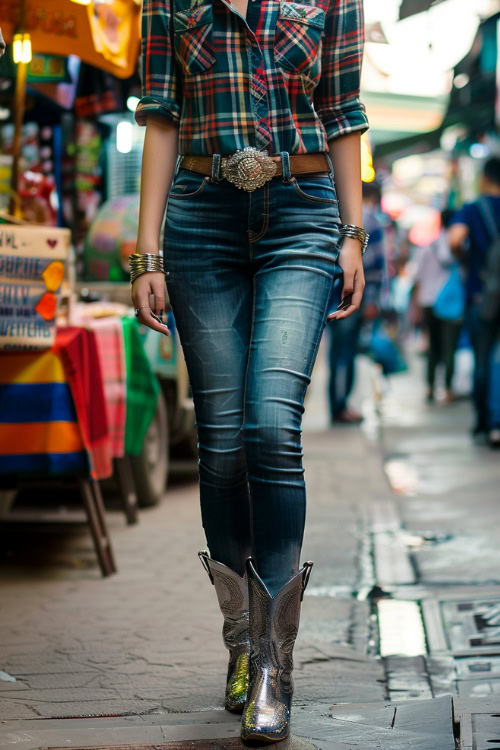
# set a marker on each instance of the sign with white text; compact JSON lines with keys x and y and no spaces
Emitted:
{"x":32,"y":267}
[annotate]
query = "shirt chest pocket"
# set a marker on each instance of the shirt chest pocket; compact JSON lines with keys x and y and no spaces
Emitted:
{"x":193,"y":39}
{"x":297,"y":40}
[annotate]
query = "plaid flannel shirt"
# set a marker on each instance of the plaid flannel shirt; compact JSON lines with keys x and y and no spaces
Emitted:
{"x":286,"y":78}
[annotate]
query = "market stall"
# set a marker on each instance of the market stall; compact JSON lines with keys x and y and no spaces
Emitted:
{"x":77,"y":391}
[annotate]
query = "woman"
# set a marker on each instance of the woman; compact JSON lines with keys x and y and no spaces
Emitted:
{"x":260,"y":99}
{"x":431,"y":272}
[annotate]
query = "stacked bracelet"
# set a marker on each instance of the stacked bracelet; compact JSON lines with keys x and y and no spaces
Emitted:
{"x":143,"y":263}
{"x":357,"y":233}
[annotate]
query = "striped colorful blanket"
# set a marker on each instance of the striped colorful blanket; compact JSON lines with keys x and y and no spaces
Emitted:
{"x":39,"y":431}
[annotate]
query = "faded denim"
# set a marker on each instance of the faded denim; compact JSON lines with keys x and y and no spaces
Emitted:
{"x":249,"y":282}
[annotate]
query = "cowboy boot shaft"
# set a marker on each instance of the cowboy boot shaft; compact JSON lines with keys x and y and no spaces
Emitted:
{"x":232,"y":595}
{"x":274,"y":624}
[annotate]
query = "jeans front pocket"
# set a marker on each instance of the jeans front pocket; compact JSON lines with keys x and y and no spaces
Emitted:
{"x":316,"y":188}
{"x":298,"y":33}
{"x":187,"y":184}
{"x":193,"y":39}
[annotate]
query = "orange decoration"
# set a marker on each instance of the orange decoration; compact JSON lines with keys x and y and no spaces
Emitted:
{"x":53,"y":275}
{"x":47,"y":306}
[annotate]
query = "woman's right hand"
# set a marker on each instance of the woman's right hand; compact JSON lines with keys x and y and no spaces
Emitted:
{"x":148,"y":296}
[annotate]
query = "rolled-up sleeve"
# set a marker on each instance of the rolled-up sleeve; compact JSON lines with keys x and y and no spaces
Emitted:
{"x":336,"y":98}
{"x":161,"y":81}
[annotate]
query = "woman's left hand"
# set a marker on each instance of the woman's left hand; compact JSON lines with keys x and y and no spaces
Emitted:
{"x":350,"y":260}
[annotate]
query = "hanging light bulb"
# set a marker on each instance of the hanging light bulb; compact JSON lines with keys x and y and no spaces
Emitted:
{"x":21,"y":48}
{"x":27,"y":48}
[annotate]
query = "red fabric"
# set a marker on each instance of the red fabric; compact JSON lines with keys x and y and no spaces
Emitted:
{"x":109,"y":340}
{"x":78,"y":349}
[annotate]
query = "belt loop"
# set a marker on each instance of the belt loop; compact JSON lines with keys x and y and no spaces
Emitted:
{"x":178,"y":164}
{"x":330,"y":165}
{"x":285,"y":166}
{"x":215,"y":176}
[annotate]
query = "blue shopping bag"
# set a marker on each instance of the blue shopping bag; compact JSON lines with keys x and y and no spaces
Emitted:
{"x":450,"y":302}
{"x":494,"y":387}
{"x":384,"y":351}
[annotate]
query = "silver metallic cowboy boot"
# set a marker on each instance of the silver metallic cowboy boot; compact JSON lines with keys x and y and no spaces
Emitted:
{"x":232,"y":593}
{"x":274,"y":624}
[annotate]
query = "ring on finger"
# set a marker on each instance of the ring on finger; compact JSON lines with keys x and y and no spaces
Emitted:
{"x":138,"y":310}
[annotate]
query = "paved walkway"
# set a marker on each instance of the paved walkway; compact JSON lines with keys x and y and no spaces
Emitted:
{"x":145,"y":644}
{"x":148,"y":639}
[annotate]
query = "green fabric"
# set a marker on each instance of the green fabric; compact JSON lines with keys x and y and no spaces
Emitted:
{"x":142,"y":388}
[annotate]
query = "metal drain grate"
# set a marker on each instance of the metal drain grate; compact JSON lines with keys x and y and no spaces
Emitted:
{"x":463,"y":626}
{"x":479,"y":724}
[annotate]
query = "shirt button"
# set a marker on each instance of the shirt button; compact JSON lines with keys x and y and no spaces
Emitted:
{"x":248,"y":43}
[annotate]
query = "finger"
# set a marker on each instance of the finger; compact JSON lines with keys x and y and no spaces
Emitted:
{"x":146,"y":317}
{"x":158,"y":289}
{"x":359,"y":288}
{"x":347,"y":291}
{"x":354,"y":287}
{"x":343,"y":313}
{"x":143,"y":296}
{"x":348,"y":286}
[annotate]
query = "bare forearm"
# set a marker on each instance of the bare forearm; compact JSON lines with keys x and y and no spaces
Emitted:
{"x":345,"y":153}
{"x":158,"y":164}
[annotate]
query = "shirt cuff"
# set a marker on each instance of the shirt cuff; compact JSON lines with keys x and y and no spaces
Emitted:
{"x":152,"y":105}
{"x":337,"y":123}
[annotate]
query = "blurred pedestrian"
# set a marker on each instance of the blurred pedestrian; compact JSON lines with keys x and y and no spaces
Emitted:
{"x":474,"y":230}
{"x":432,"y":269}
{"x":344,"y":334}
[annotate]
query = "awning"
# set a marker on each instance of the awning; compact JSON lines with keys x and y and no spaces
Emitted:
{"x":105,"y":35}
{"x":471,"y":105}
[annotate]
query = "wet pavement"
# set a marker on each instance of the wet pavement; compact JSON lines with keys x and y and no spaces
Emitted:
{"x":402,"y":526}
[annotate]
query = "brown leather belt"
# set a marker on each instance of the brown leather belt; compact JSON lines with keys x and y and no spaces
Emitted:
{"x":249,"y":169}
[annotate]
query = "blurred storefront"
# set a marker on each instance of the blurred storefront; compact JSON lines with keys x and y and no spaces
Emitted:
{"x":433,"y":101}
{"x":107,"y":396}
{"x":67,"y":65}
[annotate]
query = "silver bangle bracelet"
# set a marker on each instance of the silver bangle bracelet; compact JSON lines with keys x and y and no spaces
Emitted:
{"x":140,"y":263}
{"x":357,"y":233}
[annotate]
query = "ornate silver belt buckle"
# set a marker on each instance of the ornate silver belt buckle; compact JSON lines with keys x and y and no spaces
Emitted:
{"x":248,"y":169}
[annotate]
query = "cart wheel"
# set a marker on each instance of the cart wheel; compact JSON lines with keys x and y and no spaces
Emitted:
{"x":150,"y":467}
{"x":7,"y":498}
{"x":187,"y":448}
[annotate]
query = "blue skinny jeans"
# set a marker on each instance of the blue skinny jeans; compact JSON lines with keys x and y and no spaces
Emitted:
{"x":249,"y":282}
